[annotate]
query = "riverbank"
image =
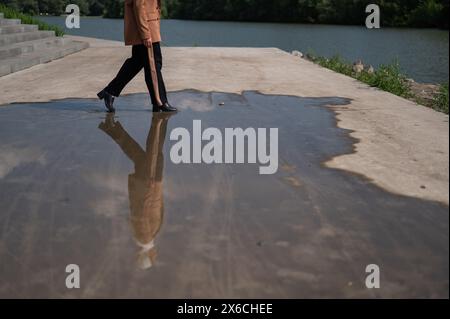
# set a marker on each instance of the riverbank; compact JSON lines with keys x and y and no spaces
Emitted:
{"x":393,"y":136}
{"x":387,"y":78}
{"x":431,"y":95}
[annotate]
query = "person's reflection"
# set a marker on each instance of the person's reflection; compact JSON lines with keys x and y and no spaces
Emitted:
{"x":145,"y":188}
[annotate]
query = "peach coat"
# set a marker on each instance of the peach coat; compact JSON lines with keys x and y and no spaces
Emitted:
{"x":142,"y":21}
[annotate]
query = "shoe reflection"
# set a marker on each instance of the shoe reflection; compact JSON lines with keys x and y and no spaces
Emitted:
{"x":145,"y":185}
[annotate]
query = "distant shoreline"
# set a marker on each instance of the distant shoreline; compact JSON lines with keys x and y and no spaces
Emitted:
{"x":264,"y":22}
{"x":420,"y":62}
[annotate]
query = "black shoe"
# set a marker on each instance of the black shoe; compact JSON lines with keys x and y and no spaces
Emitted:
{"x":166,"y":107}
{"x":109,"y":100}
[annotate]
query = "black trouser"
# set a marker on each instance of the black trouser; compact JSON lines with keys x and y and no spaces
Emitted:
{"x":133,"y":65}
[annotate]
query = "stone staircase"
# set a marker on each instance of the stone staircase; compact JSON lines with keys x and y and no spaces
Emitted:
{"x":22,"y":46}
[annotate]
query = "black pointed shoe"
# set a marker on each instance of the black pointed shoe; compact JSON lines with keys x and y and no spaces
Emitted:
{"x":166,"y":107}
{"x":109,"y":100}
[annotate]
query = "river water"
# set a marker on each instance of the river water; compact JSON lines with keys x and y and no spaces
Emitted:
{"x":423,"y":54}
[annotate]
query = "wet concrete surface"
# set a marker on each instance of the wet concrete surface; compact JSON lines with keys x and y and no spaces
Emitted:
{"x":80,"y":187}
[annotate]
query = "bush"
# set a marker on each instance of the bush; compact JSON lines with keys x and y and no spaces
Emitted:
{"x":441,"y":99}
{"x":10,"y":13}
{"x":335,"y":63}
{"x":96,"y":8}
{"x":387,"y":78}
{"x":114,"y":9}
{"x":427,"y":14}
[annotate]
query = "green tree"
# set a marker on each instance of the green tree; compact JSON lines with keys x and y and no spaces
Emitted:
{"x":417,"y":13}
{"x":96,"y":8}
{"x":114,"y":9}
{"x":82,"y":4}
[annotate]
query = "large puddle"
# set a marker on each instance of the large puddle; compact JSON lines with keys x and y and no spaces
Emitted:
{"x":80,"y":187}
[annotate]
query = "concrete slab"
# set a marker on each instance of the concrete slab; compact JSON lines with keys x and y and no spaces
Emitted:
{"x":78,"y":186}
{"x":403,"y":147}
{"x":7,"y":39}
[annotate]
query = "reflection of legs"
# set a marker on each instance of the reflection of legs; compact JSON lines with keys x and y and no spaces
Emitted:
{"x":155,"y":144}
{"x":128,"y":145}
{"x":128,"y":71}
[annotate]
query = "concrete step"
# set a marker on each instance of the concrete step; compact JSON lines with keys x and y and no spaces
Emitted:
{"x":6,"y":39}
{"x":17,"y":28}
{"x":44,"y":55}
{"x":9,"y":21}
{"x":16,"y":49}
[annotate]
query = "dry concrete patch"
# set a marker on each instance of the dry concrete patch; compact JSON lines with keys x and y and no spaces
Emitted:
{"x":403,"y":147}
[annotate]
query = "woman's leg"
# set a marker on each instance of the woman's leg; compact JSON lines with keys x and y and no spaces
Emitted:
{"x":157,"y":57}
{"x":128,"y":71}
{"x":159,"y":63}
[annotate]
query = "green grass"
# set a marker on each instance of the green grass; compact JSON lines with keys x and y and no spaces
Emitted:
{"x":440,"y":102}
{"x":387,"y":78}
{"x":26,"y":19}
{"x":335,"y":63}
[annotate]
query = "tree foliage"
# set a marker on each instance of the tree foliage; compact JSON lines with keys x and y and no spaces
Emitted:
{"x":422,"y":13}
{"x":55,"y":7}
{"x":418,"y":13}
